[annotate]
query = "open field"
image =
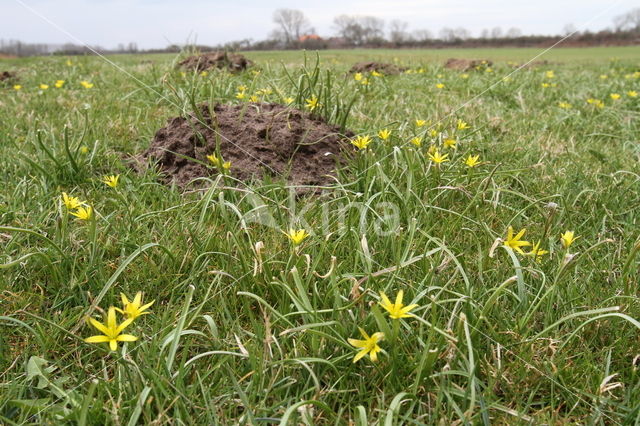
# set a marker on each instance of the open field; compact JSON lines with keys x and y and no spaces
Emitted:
{"x":251,"y":327}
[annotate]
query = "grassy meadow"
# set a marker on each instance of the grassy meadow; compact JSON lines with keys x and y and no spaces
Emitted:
{"x":253,"y":325}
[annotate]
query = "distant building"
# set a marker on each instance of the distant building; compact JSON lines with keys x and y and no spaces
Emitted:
{"x":309,"y":37}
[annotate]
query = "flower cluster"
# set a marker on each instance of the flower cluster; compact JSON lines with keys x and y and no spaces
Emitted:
{"x":112,"y":331}
{"x":514,"y":241}
{"x":369,"y":344}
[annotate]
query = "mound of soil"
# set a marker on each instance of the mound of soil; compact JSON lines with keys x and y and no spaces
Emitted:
{"x":387,"y":69}
{"x":259,"y":140}
{"x":220,"y":59}
{"x":8,"y":76}
{"x":466,"y":64}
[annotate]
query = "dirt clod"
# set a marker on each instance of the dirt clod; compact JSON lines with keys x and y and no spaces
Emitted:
{"x":466,"y":64}
{"x":220,"y":59}
{"x":258,"y":139}
{"x":8,"y":76}
{"x":387,"y":69}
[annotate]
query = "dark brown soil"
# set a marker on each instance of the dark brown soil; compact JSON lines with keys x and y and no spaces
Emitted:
{"x":220,"y":59}
{"x":258,"y":139}
{"x":8,"y":76}
{"x":387,"y":69}
{"x":466,"y":64}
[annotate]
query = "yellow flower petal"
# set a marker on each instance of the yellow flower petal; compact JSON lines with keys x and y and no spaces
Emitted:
{"x":126,"y":338}
{"x":101,"y":327}
{"x":97,"y":339}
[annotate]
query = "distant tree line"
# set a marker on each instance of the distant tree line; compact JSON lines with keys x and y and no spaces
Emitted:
{"x":294,"y":31}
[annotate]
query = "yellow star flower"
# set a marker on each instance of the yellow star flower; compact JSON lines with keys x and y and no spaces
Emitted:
{"x":70,"y":202}
{"x":361,"y":142}
{"x":537,"y":252}
{"x":375,"y":73}
{"x":226,"y":165}
{"x":83,"y":213}
{"x":472,"y":160}
{"x":367,"y":346}
{"x":567,"y":238}
{"x":111,"y":330}
{"x":396,"y":310}
{"x":433,"y":133}
{"x":595,"y":102}
{"x":549,"y":74}
{"x":215,"y":160}
{"x":514,"y":242}
{"x":357,"y":76}
{"x":44,"y":86}
{"x":312,"y":103}
{"x":603,"y":76}
{"x":297,"y":236}
{"x":111,"y":180}
{"x":632,"y":93}
{"x":133,"y":309}
{"x":288,"y":100}
{"x":420,"y":123}
{"x":440,"y":85}
{"x":59,"y":84}
{"x":437,"y":158}
{"x":461,"y":125}
{"x":384,"y":134}
{"x":254,"y":99}
{"x":615,"y":96}
{"x":450,"y":143}
{"x":564,"y":105}
{"x":416,"y":141}
{"x":241,"y":95}
{"x":86,"y":84}
{"x":17,"y":87}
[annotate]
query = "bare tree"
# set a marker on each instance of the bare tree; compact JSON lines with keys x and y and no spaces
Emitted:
{"x":485,"y":33}
{"x":461,"y":33}
{"x":514,"y":32}
{"x":422,"y":35}
{"x":292,"y":24}
{"x":359,"y":29}
{"x":496,"y":32}
{"x":569,"y":29}
{"x":348,"y":28}
{"x":398,"y":31}
{"x":447,"y":34}
{"x":373,"y":28}
{"x":629,"y":21}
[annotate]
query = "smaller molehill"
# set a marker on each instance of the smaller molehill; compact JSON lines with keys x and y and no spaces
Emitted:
{"x":387,"y":69}
{"x":8,"y":76}
{"x":466,"y":64}
{"x":259,"y":139}
{"x":220,"y":60}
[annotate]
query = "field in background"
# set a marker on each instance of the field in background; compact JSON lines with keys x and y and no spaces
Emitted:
{"x":248,"y":327}
{"x":598,"y":54}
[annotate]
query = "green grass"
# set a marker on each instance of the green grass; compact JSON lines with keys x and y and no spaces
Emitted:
{"x":247,"y":329}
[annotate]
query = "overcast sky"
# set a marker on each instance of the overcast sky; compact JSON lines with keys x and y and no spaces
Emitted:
{"x":157,"y":23}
